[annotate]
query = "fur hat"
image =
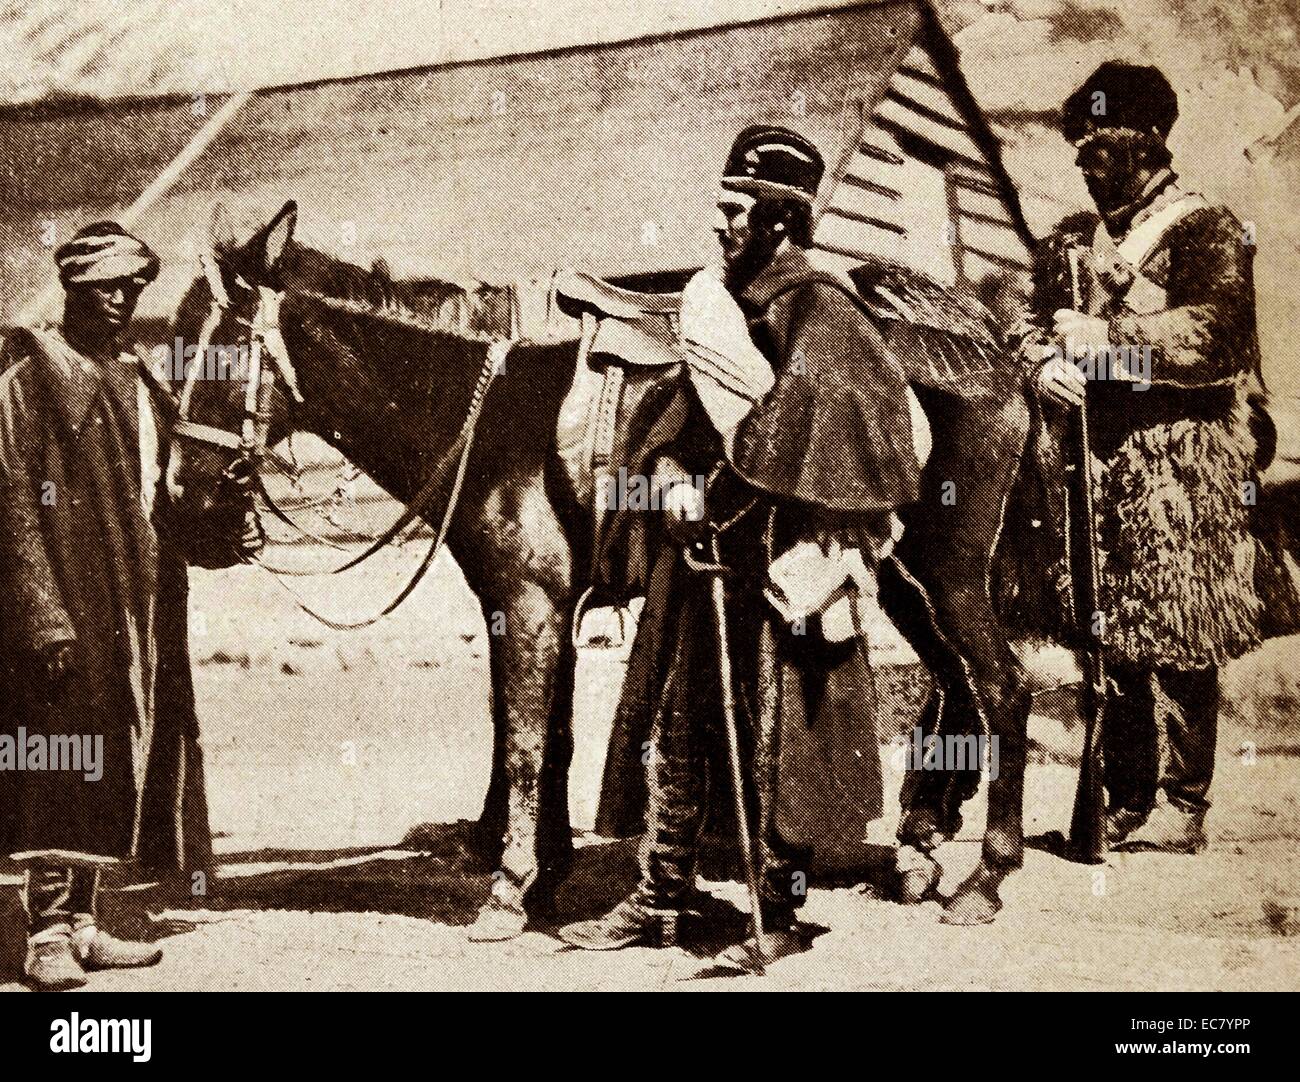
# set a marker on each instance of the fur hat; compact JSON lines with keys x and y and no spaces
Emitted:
{"x":1118,"y":95}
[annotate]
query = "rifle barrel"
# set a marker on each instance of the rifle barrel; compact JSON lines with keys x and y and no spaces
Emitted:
{"x":1088,"y":821}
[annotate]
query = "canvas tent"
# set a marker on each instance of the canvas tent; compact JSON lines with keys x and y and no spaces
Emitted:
{"x":601,"y":156}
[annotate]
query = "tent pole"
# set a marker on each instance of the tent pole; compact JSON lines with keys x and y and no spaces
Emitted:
{"x":39,"y":305}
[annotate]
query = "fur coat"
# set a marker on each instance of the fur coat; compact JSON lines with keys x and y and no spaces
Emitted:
{"x":1175,"y":456}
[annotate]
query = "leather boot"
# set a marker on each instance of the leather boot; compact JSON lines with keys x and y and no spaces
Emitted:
{"x":1168,"y":829}
{"x":782,"y":937}
{"x":51,"y":965}
{"x":777,"y":944}
{"x":95,"y":949}
{"x":1121,"y":822}
{"x":631,"y":923}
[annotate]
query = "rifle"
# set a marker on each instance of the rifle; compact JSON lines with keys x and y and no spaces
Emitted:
{"x":1088,"y":821}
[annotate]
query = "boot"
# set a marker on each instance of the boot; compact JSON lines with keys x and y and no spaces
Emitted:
{"x":631,"y":923}
{"x":51,"y":965}
{"x":1168,"y":829}
{"x":777,"y":944}
{"x":99,"y":950}
{"x":1121,"y":822}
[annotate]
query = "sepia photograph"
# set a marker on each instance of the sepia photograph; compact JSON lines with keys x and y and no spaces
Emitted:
{"x":638,"y":495}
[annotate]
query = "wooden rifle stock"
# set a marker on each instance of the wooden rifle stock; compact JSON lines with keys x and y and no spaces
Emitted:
{"x":1088,"y":823}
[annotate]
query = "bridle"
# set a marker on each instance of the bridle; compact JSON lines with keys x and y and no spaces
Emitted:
{"x":264,"y":341}
{"x":250,"y":442}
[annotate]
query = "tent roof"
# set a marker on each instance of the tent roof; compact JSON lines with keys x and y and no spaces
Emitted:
{"x":99,"y":49}
{"x":601,"y":157}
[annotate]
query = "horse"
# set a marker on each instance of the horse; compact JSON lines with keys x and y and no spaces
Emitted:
{"x":375,"y":368}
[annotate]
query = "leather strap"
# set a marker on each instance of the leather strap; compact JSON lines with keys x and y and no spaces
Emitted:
{"x":1142,"y":240}
{"x":218,"y":437}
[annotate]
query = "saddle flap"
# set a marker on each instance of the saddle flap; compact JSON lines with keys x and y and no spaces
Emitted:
{"x":641,"y":345}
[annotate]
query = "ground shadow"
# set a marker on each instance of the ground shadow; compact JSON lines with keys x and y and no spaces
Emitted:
{"x":434,"y":874}
{"x":871,"y":866}
{"x":438,"y":878}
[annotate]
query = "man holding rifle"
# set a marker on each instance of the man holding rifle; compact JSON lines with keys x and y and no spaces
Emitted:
{"x":801,"y":424}
{"x":1147,"y":313}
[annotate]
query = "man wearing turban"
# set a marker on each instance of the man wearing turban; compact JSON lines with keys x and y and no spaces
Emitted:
{"x":99,"y":754}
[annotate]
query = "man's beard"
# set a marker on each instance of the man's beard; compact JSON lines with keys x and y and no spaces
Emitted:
{"x":1114,"y":192}
{"x":1134,"y":158}
{"x":750,"y":260}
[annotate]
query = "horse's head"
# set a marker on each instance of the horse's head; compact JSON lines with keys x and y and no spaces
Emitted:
{"x":236,"y":381}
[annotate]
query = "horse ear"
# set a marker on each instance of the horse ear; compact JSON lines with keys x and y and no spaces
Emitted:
{"x":278,"y":234}
{"x":222,"y":233}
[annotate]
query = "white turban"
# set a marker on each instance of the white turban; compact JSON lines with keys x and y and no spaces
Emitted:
{"x":105,"y":253}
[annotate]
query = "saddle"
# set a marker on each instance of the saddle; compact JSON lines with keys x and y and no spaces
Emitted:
{"x":581,"y":291}
{"x":624,"y":402}
{"x":621,"y":325}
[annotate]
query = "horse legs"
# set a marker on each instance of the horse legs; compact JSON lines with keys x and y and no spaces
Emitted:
{"x":978,"y":676}
{"x":554,"y":838}
{"x":936,"y":589}
{"x":491,"y":825}
{"x":555,"y":833}
{"x":517,"y":560}
{"x":931,"y":799}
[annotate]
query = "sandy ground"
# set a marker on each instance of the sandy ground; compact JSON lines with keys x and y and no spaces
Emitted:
{"x":323,"y":749}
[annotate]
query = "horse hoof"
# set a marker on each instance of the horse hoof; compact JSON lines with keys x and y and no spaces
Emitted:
{"x":971,"y":907}
{"x":497,"y":921}
{"x":918,"y":881}
{"x":918,"y":875}
{"x":915,"y":886}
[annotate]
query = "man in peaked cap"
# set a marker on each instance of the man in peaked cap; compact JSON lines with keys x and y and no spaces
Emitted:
{"x":801,"y":422}
{"x":1165,"y":353}
{"x":98,"y":734}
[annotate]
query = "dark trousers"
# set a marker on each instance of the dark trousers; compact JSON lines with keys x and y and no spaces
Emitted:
{"x":57,"y":894}
{"x":1131,"y":744}
{"x":687,"y":757}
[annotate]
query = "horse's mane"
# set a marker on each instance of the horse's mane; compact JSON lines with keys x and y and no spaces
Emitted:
{"x":462,"y":309}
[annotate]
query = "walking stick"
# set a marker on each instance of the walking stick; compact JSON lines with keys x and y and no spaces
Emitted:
{"x":719,"y":598}
{"x":1088,"y":821}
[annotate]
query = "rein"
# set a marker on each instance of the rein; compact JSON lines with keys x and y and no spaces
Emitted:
{"x":459,"y":453}
{"x":251,"y":441}
{"x":279,"y":512}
